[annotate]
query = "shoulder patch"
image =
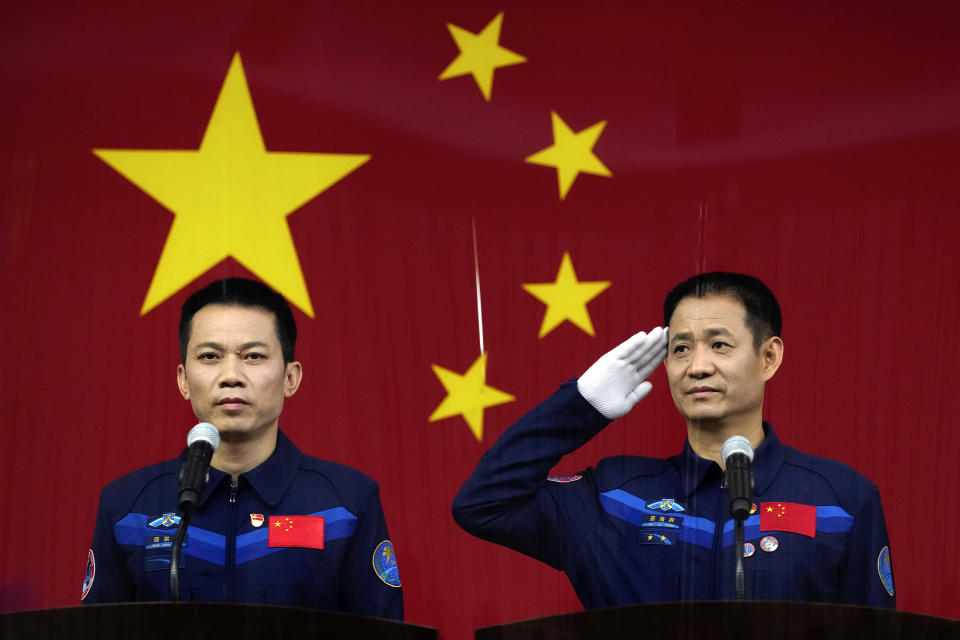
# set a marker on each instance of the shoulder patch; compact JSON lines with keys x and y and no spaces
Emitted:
{"x":885,"y":569}
{"x":88,"y":575}
{"x":385,"y":564}
{"x":563,"y":479}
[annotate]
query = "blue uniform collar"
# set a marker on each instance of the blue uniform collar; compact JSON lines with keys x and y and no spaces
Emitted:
{"x":767,"y":460}
{"x":270,"y":479}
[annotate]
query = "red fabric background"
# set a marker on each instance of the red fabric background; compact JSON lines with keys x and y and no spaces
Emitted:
{"x":814,"y":146}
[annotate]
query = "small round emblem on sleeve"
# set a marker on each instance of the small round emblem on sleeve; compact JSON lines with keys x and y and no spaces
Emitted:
{"x":885,"y":569}
{"x":88,"y":575}
{"x":385,"y":564}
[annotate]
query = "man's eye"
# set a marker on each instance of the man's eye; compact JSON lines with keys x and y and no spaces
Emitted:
{"x":680,"y":348}
{"x":720,"y":345}
{"x":207,"y":356}
{"x":255,"y":356}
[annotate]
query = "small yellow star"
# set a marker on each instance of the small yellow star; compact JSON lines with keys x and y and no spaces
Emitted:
{"x":230,"y":197}
{"x":571,"y":153}
{"x":566,"y":298}
{"x":480,"y":54}
{"x":468,"y":395}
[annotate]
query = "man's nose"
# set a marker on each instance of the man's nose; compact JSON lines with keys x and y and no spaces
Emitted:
{"x":701,"y":362}
{"x":230,"y":374}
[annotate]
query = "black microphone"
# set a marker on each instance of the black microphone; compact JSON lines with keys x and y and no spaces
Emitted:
{"x":202,"y":441}
{"x":737,"y":455}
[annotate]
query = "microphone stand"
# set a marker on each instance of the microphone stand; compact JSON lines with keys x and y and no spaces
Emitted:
{"x":738,"y":548}
{"x":185,"y":517}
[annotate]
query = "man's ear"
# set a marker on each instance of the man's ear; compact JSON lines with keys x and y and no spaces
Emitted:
{"x":182,"y":382}
{"x":771,"y":356}
{"x":291,"y":378}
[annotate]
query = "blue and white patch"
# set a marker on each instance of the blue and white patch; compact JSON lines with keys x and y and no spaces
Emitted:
{"x":769,"y":544}
{"x":385,"y":564}
{"x":156,"y":552}
{"x":663,"y":522}
{"x":748,"y":549}
{"x":166,"y":521}
{"x":89,"y":574}
{"x":563,"y":479}
{"x":665,"y":504}
{"x":885,"y":569}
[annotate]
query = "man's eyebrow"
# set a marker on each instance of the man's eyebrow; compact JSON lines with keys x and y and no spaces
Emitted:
{"x":219,"y":347}
{"x":710,"y":333}
{"x":717,"y":331}
{"x":209,"y":345}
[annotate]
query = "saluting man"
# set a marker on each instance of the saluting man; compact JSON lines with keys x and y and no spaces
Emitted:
{"x":639,"y":529}
{"x":273,"y":525}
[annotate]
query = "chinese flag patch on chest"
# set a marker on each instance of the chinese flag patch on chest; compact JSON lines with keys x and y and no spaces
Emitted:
{"x":790,"y":517}
{"x":295,"y":531}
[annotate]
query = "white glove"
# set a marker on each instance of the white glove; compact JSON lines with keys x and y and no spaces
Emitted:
{"x":617,"y":381}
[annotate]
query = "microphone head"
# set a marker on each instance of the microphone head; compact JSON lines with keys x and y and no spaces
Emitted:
{"x":207,"y":432}
{"x":735,"y":444}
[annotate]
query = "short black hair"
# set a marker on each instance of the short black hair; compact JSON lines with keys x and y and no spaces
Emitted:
{"x":763,"y":311}
{"x":242,"y":292}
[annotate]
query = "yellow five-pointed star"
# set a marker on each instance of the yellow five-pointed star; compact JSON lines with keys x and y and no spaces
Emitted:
{"x":566,"y":298}
{"x":571,"y":153}
{"x":468,"y":395}
{"x":480,"y":54}
{"x":231,"y":197}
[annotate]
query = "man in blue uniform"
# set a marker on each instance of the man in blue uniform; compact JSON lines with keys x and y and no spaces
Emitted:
{"x":638,"y":529}
{"x":273,"y":525}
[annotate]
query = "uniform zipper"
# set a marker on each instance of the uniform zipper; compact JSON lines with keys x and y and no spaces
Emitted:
{"x":231,"y":537}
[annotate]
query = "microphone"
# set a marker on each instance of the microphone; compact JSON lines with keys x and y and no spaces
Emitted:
{"x":737,"y":455}
{"x":202,"y":441}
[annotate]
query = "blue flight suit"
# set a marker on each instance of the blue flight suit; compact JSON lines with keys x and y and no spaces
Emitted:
{"x":226,"y":555}
{"x":637,"y":529}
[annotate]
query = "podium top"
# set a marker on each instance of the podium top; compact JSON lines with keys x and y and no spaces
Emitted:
{"x":729,"y":621}
{"x":200,"y":621}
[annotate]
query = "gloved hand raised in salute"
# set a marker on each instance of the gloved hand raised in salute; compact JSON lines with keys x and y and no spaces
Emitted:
{"x":618,"y":380}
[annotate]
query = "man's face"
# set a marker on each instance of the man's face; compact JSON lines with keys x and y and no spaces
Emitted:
{"x":233,"y":374}
{"x":714,"y":371}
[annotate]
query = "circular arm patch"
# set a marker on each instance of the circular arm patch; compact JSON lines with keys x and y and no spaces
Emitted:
{"x":385,"y":564}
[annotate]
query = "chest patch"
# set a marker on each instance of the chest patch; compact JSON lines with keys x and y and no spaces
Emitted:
{"x":165,"y":521}
{"x":666,"y":504}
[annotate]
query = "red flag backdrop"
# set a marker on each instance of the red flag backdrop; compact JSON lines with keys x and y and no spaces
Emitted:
{"x":814,"y":146}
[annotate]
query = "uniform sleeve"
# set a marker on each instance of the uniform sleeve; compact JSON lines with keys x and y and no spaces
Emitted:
{"x":508,"y":499}
{"x":106,"y":578}
{"x":370,"y":578}
{"x":868,"y":576}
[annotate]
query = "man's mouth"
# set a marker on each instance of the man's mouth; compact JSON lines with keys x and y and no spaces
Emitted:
{"x":701,"y":391}
{"x":232,"y":404}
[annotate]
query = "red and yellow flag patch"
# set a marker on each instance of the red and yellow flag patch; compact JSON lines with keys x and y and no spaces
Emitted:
{"x":790,"y":517}
{"x":296,"y":531}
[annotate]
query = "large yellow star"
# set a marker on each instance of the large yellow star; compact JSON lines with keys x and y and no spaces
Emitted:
{"x":231,"y":197}
{"x":566,"y":298}
{"x":571,"y":153}
{"x":468,"y":395}
{"x":480,"y":54}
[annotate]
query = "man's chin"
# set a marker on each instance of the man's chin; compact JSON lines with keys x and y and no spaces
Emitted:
{"x":239,"y":432}
{"x":702,"y":414}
